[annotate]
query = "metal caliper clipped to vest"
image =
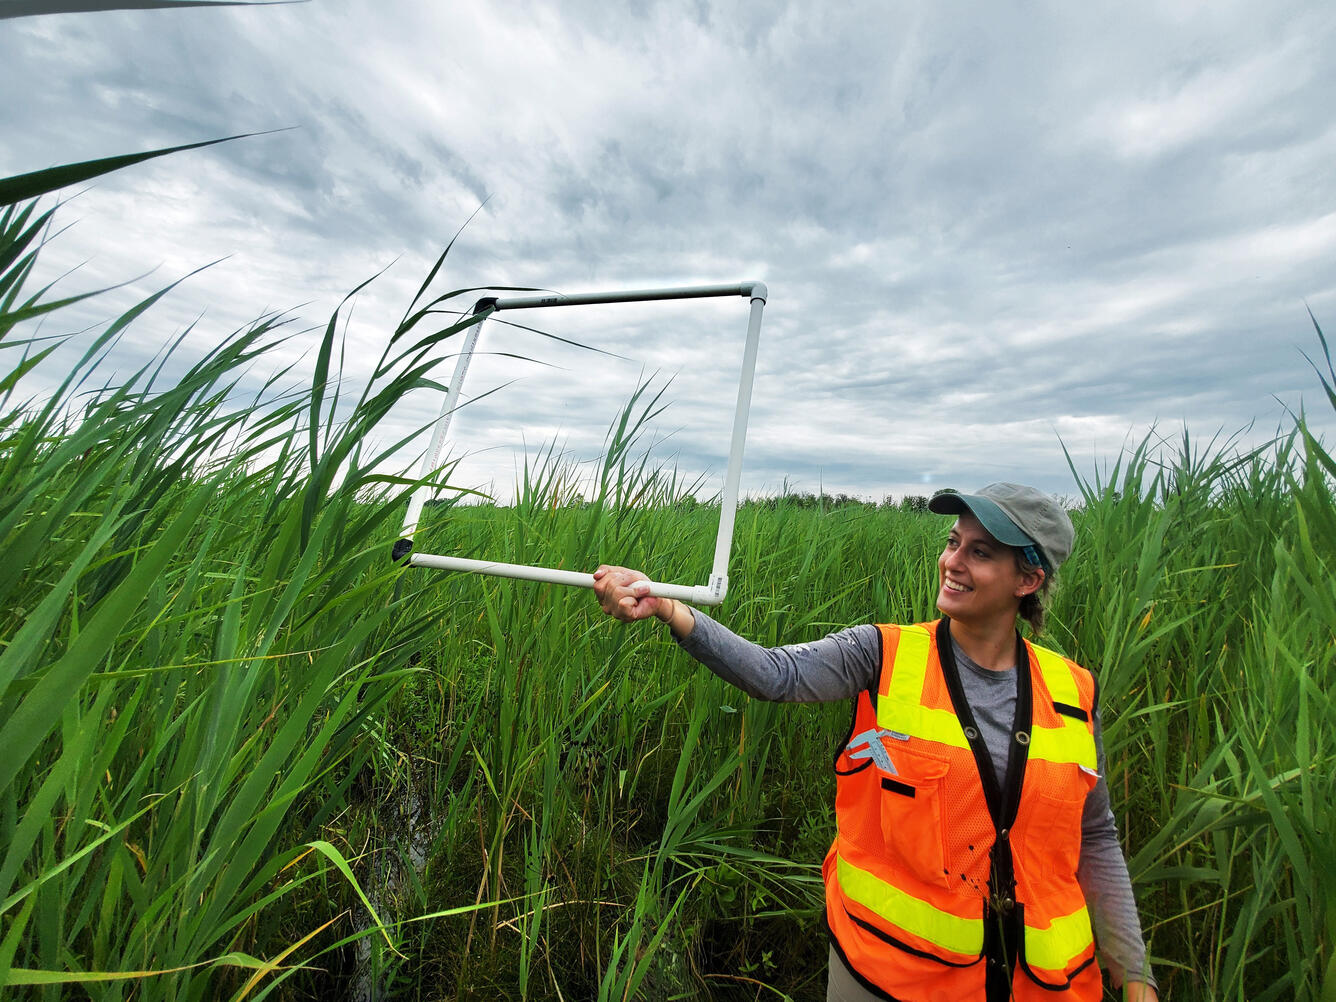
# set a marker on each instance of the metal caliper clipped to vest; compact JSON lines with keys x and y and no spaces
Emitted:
{"x":875,"y":750}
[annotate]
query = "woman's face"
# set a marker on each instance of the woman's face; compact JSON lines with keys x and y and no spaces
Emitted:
{"x":977,"y":577}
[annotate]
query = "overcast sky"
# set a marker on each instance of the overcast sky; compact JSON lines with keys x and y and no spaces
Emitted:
{"x":987,"y":229}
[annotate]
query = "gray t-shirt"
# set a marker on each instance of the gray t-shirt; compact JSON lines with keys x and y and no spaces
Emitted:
{"x":841,"y":665}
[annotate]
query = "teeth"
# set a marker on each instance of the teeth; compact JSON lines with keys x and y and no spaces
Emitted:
{"x":955,"y":587}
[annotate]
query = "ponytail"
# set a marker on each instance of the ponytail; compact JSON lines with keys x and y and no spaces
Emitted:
{"x":1032,"y":605}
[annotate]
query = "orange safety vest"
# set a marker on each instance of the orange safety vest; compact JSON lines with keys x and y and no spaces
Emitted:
{"x":946,"y":882}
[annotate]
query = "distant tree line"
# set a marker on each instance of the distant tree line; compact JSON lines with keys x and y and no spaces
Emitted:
{"x":917,"y":503}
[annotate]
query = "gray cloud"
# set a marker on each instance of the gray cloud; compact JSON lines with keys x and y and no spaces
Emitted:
{"x":983,"y":227}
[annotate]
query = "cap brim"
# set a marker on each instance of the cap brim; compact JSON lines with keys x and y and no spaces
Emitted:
{"x":998,"y":524}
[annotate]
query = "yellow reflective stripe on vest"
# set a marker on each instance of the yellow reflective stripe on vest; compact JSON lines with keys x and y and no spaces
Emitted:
{"x":1057,"y":675}
{"x":950,"y":932}
{"x":901,"y":709}
{"x":1066,"y":938}
{"x":1072,"y":740}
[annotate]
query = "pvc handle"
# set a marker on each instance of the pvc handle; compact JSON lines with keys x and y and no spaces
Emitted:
{"x":696,"y":594}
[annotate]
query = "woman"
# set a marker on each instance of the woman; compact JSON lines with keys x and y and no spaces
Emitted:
{"x":976,"y":855}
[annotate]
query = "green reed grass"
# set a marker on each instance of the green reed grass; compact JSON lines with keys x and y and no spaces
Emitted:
{"x":245,"y":754}
{"x":199,"y":633}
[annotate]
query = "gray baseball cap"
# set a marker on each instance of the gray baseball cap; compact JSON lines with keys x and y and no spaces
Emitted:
{"x":1018,"y":516}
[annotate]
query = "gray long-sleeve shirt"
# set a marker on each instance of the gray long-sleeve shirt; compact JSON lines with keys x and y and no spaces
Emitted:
{"x":843,"y":664}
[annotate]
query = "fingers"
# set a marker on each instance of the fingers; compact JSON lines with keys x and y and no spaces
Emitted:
{"x":621,"y":593}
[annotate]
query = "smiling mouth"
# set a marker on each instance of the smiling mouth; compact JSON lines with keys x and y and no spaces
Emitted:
{"x":952,"y":586}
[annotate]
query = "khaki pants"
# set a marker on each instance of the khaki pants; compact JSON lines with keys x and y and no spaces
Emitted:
{"x":841,"y":986}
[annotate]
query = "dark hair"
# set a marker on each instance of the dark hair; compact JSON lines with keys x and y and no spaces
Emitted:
{"x":1032,"y":605}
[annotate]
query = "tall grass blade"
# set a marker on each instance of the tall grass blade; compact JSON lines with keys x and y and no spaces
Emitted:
{"x":21,"y":187}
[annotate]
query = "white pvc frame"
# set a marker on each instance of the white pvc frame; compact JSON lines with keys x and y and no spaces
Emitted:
{"x":707,"y":594}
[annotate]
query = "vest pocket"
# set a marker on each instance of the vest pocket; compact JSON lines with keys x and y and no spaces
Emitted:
{"x":1057,"y":815}
{"x":911,"y":817}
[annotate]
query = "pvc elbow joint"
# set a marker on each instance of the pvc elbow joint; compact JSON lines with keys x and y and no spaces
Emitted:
{"x":756,"y":290}
{"x":712,"y":593}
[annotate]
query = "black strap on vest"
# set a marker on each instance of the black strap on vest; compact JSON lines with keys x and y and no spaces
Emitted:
{"x":1002,"y":919}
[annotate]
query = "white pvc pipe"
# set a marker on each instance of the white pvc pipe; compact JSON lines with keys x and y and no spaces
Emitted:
{"x":752,"y":290}
{"x":699,"y":594}
{"x":712,"y":593}
{"x":728,"y":504}
{"x":431,"y":462}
